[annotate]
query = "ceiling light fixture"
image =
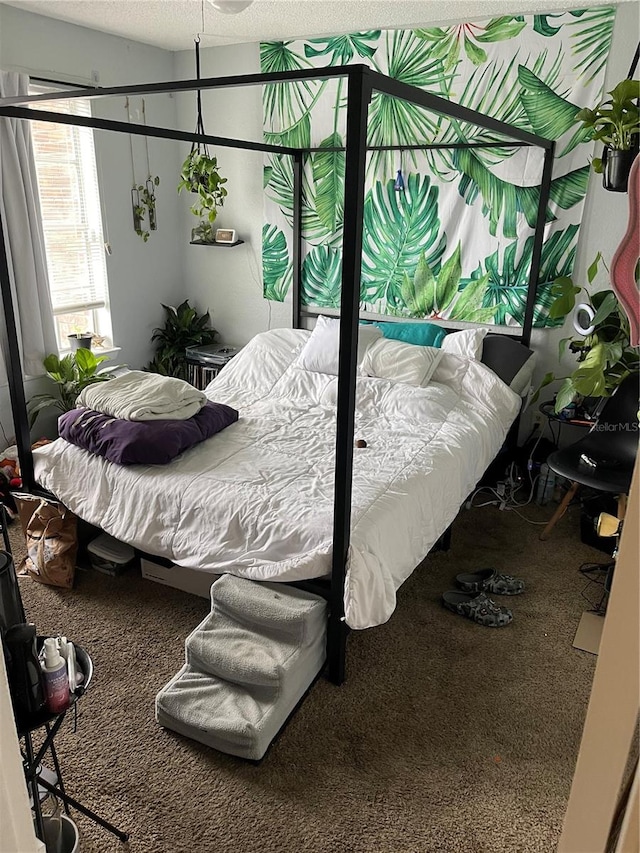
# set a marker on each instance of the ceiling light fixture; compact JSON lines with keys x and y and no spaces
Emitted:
{"x":231,"y":7}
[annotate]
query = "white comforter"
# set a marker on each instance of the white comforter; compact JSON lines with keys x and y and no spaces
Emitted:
{"x":257,"y":499}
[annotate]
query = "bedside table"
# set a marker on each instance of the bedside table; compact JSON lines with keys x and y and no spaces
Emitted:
{"x":204,"y":363}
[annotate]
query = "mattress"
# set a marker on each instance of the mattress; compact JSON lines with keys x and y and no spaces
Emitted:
{"x":256,"y":500}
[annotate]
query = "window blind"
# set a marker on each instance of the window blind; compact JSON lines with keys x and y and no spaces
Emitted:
{"x":70,"y":203}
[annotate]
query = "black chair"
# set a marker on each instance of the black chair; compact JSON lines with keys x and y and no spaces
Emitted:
{"x":605,"y":457}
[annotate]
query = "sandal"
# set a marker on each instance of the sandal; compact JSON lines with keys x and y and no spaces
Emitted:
{"x":489,"y":580}
{"x":478,"y":607}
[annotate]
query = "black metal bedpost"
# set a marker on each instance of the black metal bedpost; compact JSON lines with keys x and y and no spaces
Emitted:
{"x":357,"y":110}
{"x":538,"y":238}
{"x":14,"y":371}
{"x":297,"y":240}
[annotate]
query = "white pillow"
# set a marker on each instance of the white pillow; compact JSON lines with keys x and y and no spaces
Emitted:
{"x":320,"y":353}
{"x":400,"y":362}
{"x":467,"y":343}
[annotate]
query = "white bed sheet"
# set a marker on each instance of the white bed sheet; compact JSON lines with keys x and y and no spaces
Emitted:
{"x":256,"y":500}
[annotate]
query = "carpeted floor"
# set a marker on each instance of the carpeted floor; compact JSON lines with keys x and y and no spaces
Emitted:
{"x":447,"y":736}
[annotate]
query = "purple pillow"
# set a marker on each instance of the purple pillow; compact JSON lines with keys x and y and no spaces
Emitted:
{"x":142,"y":442}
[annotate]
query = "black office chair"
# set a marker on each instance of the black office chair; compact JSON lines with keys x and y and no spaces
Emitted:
{"x":605,"y":457}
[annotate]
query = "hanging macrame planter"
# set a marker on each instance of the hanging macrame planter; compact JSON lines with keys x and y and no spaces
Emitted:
{"x":148,"y":191}
{"x":143,"y":198}
{"x":200,"y":175}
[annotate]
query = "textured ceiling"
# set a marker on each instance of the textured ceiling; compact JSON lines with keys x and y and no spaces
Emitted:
{"x":172,"y":24}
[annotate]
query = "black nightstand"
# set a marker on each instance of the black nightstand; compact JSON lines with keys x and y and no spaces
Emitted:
{"x":204,"y":363}
{"x":548,"y":410}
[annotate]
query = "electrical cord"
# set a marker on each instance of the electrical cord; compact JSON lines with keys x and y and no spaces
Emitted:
{"x":507,"y":500}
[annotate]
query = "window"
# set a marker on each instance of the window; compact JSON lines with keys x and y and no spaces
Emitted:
{"x":71,"y":215}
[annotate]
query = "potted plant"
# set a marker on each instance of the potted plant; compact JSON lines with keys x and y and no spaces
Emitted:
{"x":200,"y":175}
{"x":71,"y":374}
{"x":616,"y":123}
{"x":80,"y":340}
{"x":604,"y":354}
{"x":183,"y":328}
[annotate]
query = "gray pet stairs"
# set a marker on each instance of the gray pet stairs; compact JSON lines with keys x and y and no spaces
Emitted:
{"x":248,"y":664}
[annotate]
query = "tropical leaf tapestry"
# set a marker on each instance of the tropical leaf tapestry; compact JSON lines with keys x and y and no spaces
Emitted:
{"x":457,"y":242}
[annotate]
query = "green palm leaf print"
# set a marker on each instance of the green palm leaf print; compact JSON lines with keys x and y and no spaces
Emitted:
{"x":429,"y":295}
{"x":542,"y":25}
{"x":549,"y":114}
{"x":591,"y":38}
{"x":502,"y":200}
{"x":506,"y":288}
{"x":491,"y":89}
{"x":446,"y":41}
{"x":344,"y":48}
{"x":279,"y":189}
{"x":286,"y":106}
{"x":398,"y":228}
{"x":392,"y":121}
{"x":328,"y":180}
{"x":322,"y":277}
{"x":276,"y":264}
{"x":425,"y":252}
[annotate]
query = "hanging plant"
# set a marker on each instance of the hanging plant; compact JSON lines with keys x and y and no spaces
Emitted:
{"x":200,"y":175}
{"x":616,"y":123}
{"x":148,"y":201}
{"x":139,"y":211}
{"x":143,"y":196}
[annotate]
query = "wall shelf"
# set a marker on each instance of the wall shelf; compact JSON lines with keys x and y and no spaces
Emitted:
{"x":225,"y":245}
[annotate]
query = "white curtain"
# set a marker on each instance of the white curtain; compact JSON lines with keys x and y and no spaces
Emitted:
{"x":24,"y":238}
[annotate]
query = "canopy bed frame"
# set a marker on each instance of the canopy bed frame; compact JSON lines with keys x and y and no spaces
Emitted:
{"x":362,"y":82}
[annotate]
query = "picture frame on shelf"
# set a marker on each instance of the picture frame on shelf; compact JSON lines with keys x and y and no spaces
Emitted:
{"x":226,"y":235}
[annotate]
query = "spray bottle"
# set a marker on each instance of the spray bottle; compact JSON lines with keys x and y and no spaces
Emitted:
{"x":56,"y":681}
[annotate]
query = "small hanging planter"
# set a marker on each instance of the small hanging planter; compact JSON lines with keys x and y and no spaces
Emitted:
{"x":149,"y":199}
{"x":138,"y":209}
{"x":200,"y":175}
{"x":616,"y":123}
{"x":616,"y":166}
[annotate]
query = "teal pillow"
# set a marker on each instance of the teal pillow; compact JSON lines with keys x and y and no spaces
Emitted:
{"x":420,"y":334}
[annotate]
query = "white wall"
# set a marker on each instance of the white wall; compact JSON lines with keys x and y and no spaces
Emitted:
{"x":141,"y":276}
{"x":225,"y":281}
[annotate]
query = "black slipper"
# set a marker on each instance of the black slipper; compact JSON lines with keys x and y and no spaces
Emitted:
{"x":477,"y":607}
{"x":490,"y":580}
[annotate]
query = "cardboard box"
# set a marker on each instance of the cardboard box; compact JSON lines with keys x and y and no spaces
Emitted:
{"x":188,"y":580}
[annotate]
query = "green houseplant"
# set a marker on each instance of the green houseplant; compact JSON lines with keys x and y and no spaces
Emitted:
{"x":604,"y":354}
{"x":71,"y":374}
{"x":200,"y":175}
{"x":144,"y":203}
{"x":183,"y":328}
{"x":616,"y":123}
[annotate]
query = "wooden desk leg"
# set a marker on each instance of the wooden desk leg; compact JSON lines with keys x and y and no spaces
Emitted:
{"x":557,"y":515}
